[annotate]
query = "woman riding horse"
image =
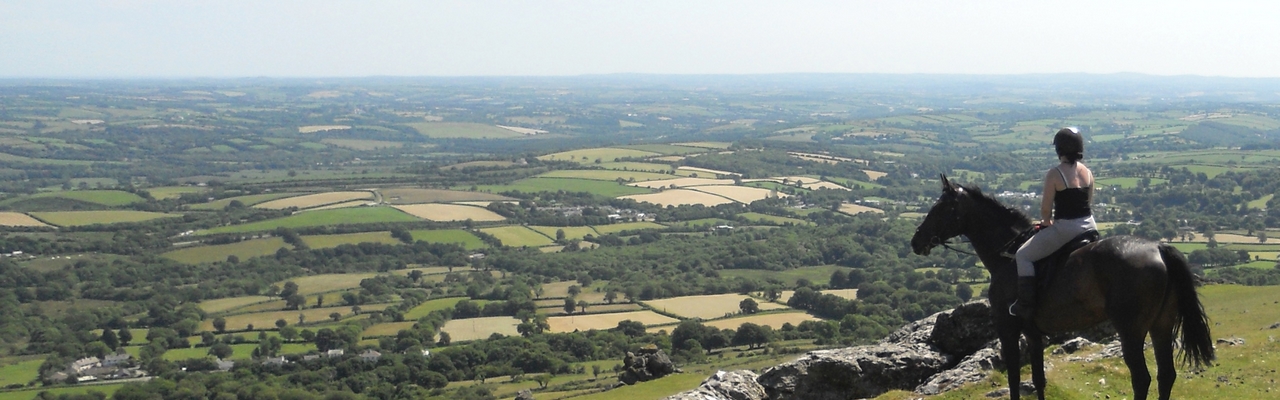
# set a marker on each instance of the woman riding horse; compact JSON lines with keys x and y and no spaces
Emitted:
{"x":1064,"y":214}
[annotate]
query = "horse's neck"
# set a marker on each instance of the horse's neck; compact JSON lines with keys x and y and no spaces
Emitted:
{"x":989,"y":238}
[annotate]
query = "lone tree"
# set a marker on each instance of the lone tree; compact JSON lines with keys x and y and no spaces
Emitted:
{"x":749,"y":306}
{"x":569,"y":305}
{"x":280,"y":323}
{"x":582,"y":304}
{"x":610,"y":296}
{"x":219,"y":324}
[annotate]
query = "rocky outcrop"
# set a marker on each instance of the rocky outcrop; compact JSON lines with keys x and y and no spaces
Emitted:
{"x":647,"y":363}
{"x":726,"y":385}
{"x":853,"y":373}
{"x":524,"y":395}
{"x":936,"y":354}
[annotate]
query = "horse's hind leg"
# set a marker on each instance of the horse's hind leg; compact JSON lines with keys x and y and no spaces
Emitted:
{"x":1162,"y":343}
{"x":1132,"y":346}
{"x":1012,"y":362}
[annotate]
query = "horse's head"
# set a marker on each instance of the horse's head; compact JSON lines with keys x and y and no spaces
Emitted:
{"x":944,"y":220}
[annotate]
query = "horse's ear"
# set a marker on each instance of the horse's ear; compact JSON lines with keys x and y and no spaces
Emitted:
{"x":946,"y":184}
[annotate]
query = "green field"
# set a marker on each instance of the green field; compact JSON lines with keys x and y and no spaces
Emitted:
{"x":308,"y":285}
{"x":704,"y":221}
{"x":570,"y":232}
{"x":231,"y":303}
{"x":654,"y":389}
{"x":666,"y":149}
{"x":428,"y":306}
{"x":173,"y":192}
{"x":82,"y":218}
{"x":604,"y":154}
{"x":596,"y":187}
{"x":1261,"y":203}
{"x":247,"y":200}
{"x":818,"y":274}
{"x":626,"y":226}
{"x":241,"y":351}
{"x":642,"y":166}
{"x":518,"y":236}
{"x":466,"y":130}
{"x":20,"y":372}
{"x":1127,"y":183}
{"x":754,"y":217}
{"x":468,"y":240}
{"x":854,"y":183}
{"x":244,"y":250}
{"x":110,"y":198}
{"x":340,"y":216}
{"x":606,"y":175}
{"x":329,"y":241}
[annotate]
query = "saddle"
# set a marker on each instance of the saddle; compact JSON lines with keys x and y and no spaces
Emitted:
{"x":1046,"y":267}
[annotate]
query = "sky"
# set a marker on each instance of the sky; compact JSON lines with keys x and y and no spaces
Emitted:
{"x":326,"y":38}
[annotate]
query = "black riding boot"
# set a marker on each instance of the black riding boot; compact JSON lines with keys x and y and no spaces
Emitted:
{"x":1025,"y":307}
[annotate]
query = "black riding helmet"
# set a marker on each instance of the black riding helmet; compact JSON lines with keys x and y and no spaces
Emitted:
{"x":1069,"y":143}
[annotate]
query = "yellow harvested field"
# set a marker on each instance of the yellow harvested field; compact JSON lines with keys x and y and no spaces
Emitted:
{"x":570,"y":323}
{"x":267,"y":320}
{"x":420,"y":195}
{"x":874,"y":174}
{"x":1231,"y":238}
{"x":522,"y":131}
{"x":675,"y":197}
{"x":708,"y":306}
{"x":480,"y":328}
{"x":815,"y":159}
{"x":322,"y":128}
{"x":681,"y":182}
{"x":741,"y":194}
{"x":362,"y":144}
{"x":824,"y":185}
{"x":791,"y":180}
{"x":327,"y":282}
{"x":449,"y":212}
{"x":314,"y":200}
{"x":481,"y":203}
{"x":19,"y":219}
{"x":601,"y":153}
{"x":854,"y":209}
{"x":667,"y":158}
{"x":348,"y":204}
{"x":774,"y":321}
{"x":851,"y":294}
{"x":706,"y":145}
{"x":709,"y":171}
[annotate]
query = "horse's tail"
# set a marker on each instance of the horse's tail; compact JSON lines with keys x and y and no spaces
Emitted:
{"x":1197,"y":345}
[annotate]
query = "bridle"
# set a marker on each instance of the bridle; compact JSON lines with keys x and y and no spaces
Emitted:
{"x":935,"y":240}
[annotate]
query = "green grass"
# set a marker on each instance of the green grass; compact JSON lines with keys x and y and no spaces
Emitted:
{"x":606,"y":175}
{"x":467,"y":130}
{"x":772,"y":219}
{"x":626,"y":226}
{"x":654,"y":389}
{"x":361,"y":215}
{"x":468,"y":240}
{"x":231,"y":303}
{"x":428,"y":306}
{"x":637,"y":166}
{"x":596,"y":187}
{"x":1261,"y":203}
{"x":570,"y":232}
{"x":818,"y":274}
{"x":81,"y":218}
{"x":247,"y":200}
{"x":1127,"y":182}
{"x":107,"y":389}
{"x":173,"y":192}
{"x":705,"y":221}
{"x":666,"y":149}
{"x":329,"y":241}
{"x":109,"y":198}
{"x":518,"y":236}
{"x":20,"y":372}
{"x":243,"y":250}
{"x":243,"y":351}
{"x":604,"y":154}
{"x":854,"y":183}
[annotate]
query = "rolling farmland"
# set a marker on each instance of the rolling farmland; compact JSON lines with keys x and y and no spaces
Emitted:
{"x":449,"y":212}
{"x":82,"y":218}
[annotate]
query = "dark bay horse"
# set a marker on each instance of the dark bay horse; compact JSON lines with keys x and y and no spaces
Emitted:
{"x":1142,"y":287}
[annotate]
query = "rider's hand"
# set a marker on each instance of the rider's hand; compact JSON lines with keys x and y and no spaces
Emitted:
{"x":1046,"y":223}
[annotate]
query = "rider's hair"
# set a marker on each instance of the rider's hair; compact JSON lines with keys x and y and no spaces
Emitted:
{"x":1068,"y":143}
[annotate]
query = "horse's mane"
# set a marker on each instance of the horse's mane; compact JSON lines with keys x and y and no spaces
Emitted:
{"x":996,"y":208}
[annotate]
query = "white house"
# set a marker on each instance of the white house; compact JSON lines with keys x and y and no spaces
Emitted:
{"x":370,"y":355}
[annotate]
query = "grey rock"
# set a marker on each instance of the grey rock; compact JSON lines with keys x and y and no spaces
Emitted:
{"x":963,"y":330}
{"x":973,"y":368}
{"x":524,"y":395}
{"x":1024,"y":387}
{"x":853,"y":373}
{"x":1234,"y":341}
{"x":1072,"y":346}
{"x":726,"y":385}
{"x":646,"y":364}
{"x":1274,"y":326}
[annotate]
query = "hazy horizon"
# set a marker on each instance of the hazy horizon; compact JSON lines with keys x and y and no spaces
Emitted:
{"x":336,"y":39}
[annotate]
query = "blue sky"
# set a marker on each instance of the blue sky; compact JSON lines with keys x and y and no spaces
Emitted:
{"x":145,"y":38}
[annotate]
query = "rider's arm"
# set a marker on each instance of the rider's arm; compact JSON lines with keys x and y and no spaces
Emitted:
{"x":1046,"y":199}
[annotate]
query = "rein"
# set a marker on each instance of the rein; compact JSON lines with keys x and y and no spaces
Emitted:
{"x":948,"y":247}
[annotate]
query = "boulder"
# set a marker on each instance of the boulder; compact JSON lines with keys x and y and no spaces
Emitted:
{"x":973,"y":368}
{"x":524,"y":395}
{"x":726,"y":385}
{"x":646,"y":364}
{"x":963,"y":330}
{"x":1072,"y":346}
{"x":853,"y":373}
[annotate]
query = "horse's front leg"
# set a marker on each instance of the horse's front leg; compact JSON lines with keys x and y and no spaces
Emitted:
{"x":1035,"y":349}
{"x":1012,"y":361}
